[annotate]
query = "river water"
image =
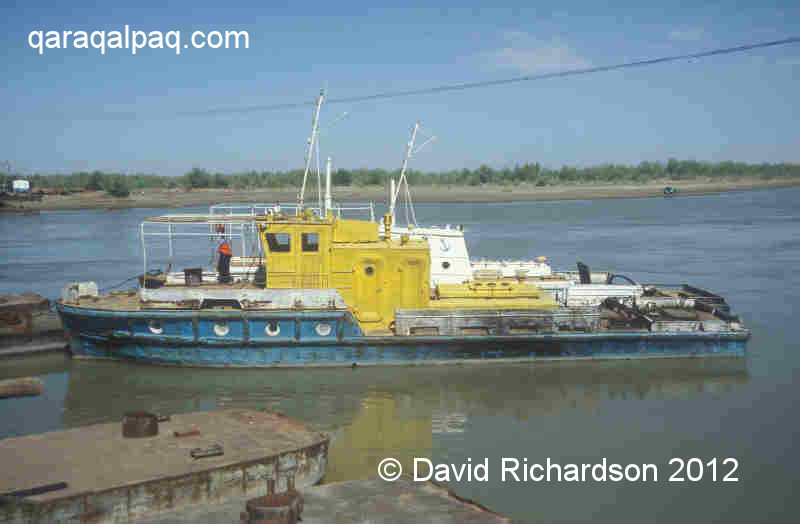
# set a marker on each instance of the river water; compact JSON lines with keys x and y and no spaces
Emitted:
{"x":744,"y":245}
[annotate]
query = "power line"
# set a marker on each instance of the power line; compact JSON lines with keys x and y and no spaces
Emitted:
{"x":491,"y":83}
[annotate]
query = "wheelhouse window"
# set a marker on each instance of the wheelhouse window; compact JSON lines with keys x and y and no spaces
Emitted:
{"x":310,"y":242}
{"x":279,"y":242}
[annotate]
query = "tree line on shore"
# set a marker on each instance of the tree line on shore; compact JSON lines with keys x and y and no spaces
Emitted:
{"x":120,"y":185}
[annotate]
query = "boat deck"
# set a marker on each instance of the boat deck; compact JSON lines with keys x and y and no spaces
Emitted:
{"x":131,"y":300}
{"x":599,"y":319}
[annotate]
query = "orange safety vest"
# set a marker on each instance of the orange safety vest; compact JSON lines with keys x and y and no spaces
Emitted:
{"x":225,"y":249}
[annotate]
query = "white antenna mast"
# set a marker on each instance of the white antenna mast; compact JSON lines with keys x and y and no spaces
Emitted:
{"x":310,"y":151}
{"x":328,"y":200}
{"x":391,"y":197}
{"x":320,"y":132}
{"x":319,"y":181}
{"x":402,"y":181}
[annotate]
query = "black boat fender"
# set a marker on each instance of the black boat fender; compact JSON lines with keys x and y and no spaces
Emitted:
{"x":720,"y":314}
{"x":611,"y":277}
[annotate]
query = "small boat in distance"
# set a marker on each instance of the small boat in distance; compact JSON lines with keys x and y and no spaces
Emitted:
{"x":670,"y":191}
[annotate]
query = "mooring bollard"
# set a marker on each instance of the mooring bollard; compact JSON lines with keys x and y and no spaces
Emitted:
{"x":139,"y":424}
{"x":283,"y":508}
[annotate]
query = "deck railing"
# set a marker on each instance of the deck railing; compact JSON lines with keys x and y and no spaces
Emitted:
{"x":287,"y":209}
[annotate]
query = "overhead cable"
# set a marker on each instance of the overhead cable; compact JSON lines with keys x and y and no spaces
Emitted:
{"x":504,"y":81}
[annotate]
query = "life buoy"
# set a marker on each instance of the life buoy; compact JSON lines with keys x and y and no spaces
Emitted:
{"x":272,"y":328}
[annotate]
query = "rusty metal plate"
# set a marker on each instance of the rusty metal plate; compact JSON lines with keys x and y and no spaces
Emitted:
{"x":139,"y":424}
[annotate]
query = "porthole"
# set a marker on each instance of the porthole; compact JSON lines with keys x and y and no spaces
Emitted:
{"x":221,"y":328}
{"x":323,"y":329}
{"x":369,"y":271}
{"x":446,"y":265}
{"x":272,"y":329}
{"x":156,"y":327}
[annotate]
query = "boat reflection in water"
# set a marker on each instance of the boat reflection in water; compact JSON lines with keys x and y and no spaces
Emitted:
{"x":373,"y":413}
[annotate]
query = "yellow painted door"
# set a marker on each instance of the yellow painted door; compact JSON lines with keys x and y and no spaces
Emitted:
{"x":368,"y":283}
{"x":411,"y":284}
{"x":281,"y":249}
{"x":312,"y":258}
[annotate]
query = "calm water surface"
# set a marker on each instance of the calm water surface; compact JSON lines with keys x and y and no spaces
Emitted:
{"x":745,"y":246}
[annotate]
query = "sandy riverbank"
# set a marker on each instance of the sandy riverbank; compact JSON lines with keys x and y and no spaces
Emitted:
{"x":164,"y":198}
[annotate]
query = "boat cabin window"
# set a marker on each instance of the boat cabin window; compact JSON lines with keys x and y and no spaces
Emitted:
{"x":310,"y":242}
{"x":279,"y":242}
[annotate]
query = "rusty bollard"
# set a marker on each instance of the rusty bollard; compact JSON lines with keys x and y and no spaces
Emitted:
{"x":283,"y":508}
{"x":139,"y":424}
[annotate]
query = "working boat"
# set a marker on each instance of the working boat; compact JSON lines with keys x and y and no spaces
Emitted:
{"x":335,"y":292}
{"x":314,"y":288}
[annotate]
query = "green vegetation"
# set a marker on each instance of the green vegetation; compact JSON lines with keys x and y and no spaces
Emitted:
{"x":116,"y":185}
{"x":120,"y":185}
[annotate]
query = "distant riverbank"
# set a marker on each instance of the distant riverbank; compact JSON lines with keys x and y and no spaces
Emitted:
{"x":173,"y":198}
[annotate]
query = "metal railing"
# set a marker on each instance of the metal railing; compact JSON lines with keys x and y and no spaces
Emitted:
{"x":287,"y":209}
{"x":194,"y":227}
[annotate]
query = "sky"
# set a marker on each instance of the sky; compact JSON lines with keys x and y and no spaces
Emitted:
{"x":160,"y":112}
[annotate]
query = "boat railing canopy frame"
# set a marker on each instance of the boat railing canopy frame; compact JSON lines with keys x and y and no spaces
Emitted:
{"x":261,"y":209}
{"x":240,"y":231}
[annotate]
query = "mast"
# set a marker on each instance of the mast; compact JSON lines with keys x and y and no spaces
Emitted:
{"x":402,"y":178}
{"x":310,"y":152}
{"x":319,"y":180}
{"x":391,"y":197}
{"x":402,"y":181}
{"x":328,"y":203}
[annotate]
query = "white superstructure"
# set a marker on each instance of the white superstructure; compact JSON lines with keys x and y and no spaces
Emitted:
{"x":449,"y":257}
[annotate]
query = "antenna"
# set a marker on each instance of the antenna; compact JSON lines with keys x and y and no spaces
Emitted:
{"x":328,"y":202}
{"x":310,"y":152}
{"x":319,"y":180}
{"x":402,"y":182}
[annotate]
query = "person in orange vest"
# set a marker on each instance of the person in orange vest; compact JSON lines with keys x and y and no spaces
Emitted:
{"x":224,"y":264}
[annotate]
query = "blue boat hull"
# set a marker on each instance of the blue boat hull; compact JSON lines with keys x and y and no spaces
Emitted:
{"x":276,"y":339}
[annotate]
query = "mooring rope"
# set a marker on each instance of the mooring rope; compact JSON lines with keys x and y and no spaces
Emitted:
{"x":118,"y":285}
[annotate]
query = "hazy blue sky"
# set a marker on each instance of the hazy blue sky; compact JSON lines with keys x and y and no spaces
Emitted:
{"x":76,"y":109}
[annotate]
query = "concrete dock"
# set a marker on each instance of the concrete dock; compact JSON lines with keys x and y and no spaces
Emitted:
{"x":110,"y":478}
{"x":372,"y":501}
